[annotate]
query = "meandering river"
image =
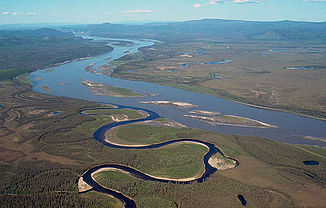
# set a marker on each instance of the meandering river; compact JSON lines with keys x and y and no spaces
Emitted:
{"x":65,"y":80}
{"x":99,"y":135}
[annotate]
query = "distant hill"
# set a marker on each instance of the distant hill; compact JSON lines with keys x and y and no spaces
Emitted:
{"x":13,"y":38}
{"x":22,"y":51}
{"x":213,"y":28}
{"x":43,"y":32}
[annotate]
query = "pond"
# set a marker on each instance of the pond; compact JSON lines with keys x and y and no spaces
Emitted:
{"x":311,"y":162}
{"x":242,"y":200}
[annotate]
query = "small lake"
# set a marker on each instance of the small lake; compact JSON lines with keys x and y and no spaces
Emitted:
{"x":208,"y":62}
{"x":242,"y":200}
{"x":311,"y":162}
{"x":291,"y":128}
{"x":300,"y":68}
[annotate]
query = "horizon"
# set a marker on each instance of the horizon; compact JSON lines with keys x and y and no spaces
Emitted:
{"x":141,"y":23}
{"x":146,"y":11}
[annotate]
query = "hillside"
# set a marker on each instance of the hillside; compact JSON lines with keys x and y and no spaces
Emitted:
{"x":22,"y":51}
{"x":229,"y":30}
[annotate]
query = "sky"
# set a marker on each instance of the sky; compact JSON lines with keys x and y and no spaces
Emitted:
{"x":140,"y":11}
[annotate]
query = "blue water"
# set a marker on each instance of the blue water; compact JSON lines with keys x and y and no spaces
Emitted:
{"x":311,"y":162}
{"x":300,"y":67}
{"x":99,"y":135}
{"x":208,"y":62}
{"x":242,"y":200}
{"x":291,"y":128}
{"x":215,"y":76}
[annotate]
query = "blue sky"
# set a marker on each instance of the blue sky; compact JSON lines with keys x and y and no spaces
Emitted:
{"x":121,"y":11}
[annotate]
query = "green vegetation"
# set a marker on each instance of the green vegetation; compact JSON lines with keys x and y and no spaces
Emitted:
{"x":180,"y":161}
{"x":116,"y":179}
{"x":317,"y":150}
{"x":262,"y":81}
{"x":108,"y":90}
{"x":45,"y":184}
{"x":213,"y":29}
{"x":132,"y":114}
{"x":115,"y":176}
{"x":89,"y":127}
{"x":172,"y":195}
{"x":133,"y":57}
{"x":84,"y":130}
{"x":58,"y":200}
{"x":171,"y":162}
{"x":6,"y":74}
{"x":43,"y":155}
{"x":24,"y":79}
{"x":123,"y":91}
{"x":25,"y":51}
{"x":146,"y":134}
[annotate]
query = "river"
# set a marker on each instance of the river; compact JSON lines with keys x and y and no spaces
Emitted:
{"x":65,"y":80}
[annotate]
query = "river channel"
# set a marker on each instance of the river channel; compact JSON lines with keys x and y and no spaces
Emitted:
{"x":65,"y":80}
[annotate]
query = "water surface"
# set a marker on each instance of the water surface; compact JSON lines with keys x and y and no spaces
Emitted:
{"x":291,"y":128}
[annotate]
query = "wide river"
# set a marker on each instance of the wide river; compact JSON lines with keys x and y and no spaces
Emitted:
{"x":291,"y":128}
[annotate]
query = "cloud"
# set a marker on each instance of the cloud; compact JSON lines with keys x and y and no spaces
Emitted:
{"x":16,"y":13}
{"x":246,"y":1}
{"x":197,"y":5}
{"x":137,"y":11}
{"x":12,"y":13}
{"x":212,"y":2}
{"x":33,"y":14}
{"x":29,"y":14}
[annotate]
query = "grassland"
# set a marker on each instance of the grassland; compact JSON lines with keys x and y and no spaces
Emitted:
{"x":148,"y":134}
{"x":257,"y":75}
{"x":174,"y":161}
{"x":129,"y":59}
{"x":43,"y":155}
{"x":131,"y":114}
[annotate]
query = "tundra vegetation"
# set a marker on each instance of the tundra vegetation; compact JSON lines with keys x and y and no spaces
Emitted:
{"x":43,"y":155}
{"x":277,"y":65}
{"x":46,"y":144}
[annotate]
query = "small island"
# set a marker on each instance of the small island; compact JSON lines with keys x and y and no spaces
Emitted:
{"x":205,"y":113}
{"x":108,"y":90}
{"x":171,"y":103}
{"x":105,"y":69}
{"x":46,"y":88}
{"x":231,"y":120}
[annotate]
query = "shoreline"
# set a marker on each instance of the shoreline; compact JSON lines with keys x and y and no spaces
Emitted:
{"x":232,"y":100}
{"x":70,"y":61}
{"x":239,"y":102}
{"x":204,"y":119}
{"x":171,"y":103}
